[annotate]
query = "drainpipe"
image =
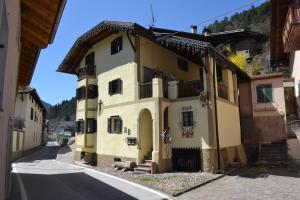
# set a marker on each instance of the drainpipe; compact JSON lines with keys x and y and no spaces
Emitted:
{"x":216,"y":114}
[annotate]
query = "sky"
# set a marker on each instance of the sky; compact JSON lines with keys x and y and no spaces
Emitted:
{"x":81,"y":15}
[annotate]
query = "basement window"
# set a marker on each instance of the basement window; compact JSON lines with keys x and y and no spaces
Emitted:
{"x":114,"y":124}
{"x":116,"y":45}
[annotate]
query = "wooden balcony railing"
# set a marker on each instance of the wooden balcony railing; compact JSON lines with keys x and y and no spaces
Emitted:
{"x":89,"y":70}
{"x":291,"y":30}
{"x":145,"y":90}
{"x":222,"y":90}
{"x":189,"y":88}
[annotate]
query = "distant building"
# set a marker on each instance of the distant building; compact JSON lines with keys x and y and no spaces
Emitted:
{"x":152,"y":98}
{"x":30,"y":121}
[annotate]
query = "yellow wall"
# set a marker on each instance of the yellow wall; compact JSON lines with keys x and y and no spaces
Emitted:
{"x":33,"y":129}
{"x":229,"y":124}
{"x":115,"y":144}
{"x":154,"y":56}
{"x":201,"y":133}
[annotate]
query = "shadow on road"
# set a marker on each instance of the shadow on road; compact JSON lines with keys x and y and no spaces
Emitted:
{"x":75,"y":186}
{"x":46,"y":153}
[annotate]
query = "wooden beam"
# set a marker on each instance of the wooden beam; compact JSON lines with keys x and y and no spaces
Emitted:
{"x":33,"y":37}
{"x":31,"y":15}
{"x":43,"y":33}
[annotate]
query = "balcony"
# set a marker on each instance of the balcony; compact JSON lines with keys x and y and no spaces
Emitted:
{"x":222,"y":90}
{"x":291,"y":30}
{"x":146,"y":90}
{"x":189,"y":88}
{"x":89,"y":70}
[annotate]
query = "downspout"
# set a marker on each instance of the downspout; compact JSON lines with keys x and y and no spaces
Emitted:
{"x":216,"y":113}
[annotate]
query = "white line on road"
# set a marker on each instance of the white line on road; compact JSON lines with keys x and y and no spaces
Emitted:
{"x":22,"y":187}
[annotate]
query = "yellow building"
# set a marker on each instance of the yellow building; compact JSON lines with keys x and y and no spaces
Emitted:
{"x":149,"y":97}
{"x":29,"y":122}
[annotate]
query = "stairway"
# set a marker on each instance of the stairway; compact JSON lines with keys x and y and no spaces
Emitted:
{"x":274,"y":153}
{"x":145,"y":167}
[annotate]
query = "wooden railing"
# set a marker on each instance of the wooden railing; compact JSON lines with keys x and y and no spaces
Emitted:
{"x":222,"y":90}
{"x":292,"y":18}
{"x":189,"y":88}
{"x":145,"y":90}
{"x":89,"y":70}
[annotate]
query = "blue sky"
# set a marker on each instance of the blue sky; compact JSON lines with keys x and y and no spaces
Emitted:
{"x":81,"y":15}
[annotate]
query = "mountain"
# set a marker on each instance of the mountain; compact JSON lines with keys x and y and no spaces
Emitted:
{"x":256,"y":19}
{"x":65,"y":110}
{"x":47,"y":106}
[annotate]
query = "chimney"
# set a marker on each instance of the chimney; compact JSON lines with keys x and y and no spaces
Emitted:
{"x":206,"y":32}
{"x":194,"y":29}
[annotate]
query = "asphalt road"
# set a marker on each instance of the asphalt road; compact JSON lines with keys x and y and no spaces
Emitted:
{"x":40,"y":177}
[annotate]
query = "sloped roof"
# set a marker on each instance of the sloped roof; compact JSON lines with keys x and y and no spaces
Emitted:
{"x":185,"y":44}
{"x":39,"y":22}
{"x":33,"y":92}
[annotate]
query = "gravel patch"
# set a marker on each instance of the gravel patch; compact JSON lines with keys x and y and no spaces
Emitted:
{"x":174,"y":183}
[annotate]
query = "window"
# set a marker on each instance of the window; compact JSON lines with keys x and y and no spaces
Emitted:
{"x":219,"y":73}
{"x":114,"y":124}
{"x":115,"y":86}
{"x":80,"y":93}
{"x":187,"y":118}
{"x":90,"y":59}
{"x":80,"y":126}
{"x":91,"y":125}
{"x":182,"y":64}
{"x":92,"y":91}
{"x":31,"y":114}
{"x":148,"y":75}
{"x":116,"y":45}
{"x":264,"y":93}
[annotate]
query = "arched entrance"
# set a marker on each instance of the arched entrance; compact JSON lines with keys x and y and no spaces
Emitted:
{"x":146,"y":135}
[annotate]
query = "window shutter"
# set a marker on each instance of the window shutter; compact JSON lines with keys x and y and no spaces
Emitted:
{"x":109,"y":125}
{"x":119,"y":86}
{"x":110,"y":88}
{"x":77,"y":126}
{"x":83,"y":92}
{"x":119,"y":125}
{"x":77,"y":93}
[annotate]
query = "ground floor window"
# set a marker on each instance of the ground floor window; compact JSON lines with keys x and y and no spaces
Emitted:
{"x":80,"y":126}
{"x":114,"y":124}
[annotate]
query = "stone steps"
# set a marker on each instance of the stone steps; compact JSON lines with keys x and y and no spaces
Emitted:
{"x":273,"y":153}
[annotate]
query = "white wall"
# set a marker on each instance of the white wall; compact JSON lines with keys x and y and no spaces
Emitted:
{"x":10,"y":81}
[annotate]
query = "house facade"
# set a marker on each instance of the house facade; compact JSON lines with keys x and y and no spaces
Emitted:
{"x":263,"y":115}
{"x":25,"y":29}
{"x":151,"y":99}
{"x":285,"y":46}
{"x":29,"y":122}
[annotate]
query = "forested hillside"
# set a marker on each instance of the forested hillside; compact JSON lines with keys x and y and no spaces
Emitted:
{"x":255,"y":19}
{"x":65,"y":110}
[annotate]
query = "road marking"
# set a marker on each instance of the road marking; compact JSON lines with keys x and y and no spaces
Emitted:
{"x":22,"y":187}
{"x":124,"y":180}
{"x":231,"y":179}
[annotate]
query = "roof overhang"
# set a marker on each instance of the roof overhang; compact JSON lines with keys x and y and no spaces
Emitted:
{"x":39,"y":22}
